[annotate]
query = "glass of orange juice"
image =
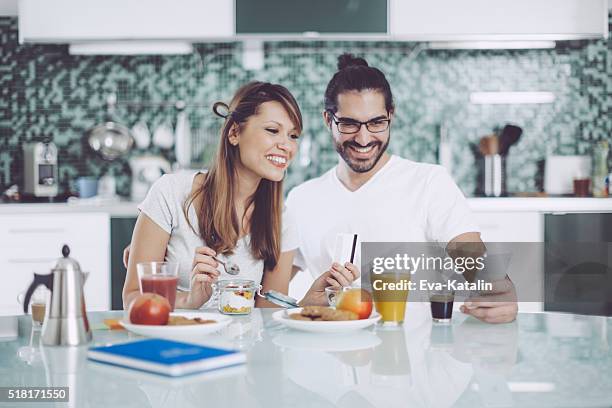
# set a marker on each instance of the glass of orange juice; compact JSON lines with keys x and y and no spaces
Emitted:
{"x":390,"y":293}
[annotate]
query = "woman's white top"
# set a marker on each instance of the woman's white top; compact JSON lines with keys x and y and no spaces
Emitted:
{"x":164,"y":205}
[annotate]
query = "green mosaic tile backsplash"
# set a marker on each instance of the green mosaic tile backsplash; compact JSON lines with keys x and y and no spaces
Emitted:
{"x":45,"y":92}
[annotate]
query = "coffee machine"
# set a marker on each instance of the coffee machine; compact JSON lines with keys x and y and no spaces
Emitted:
{"x":40,"y":169}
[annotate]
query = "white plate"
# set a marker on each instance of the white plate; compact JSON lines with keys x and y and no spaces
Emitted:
{"x":173,"y":332}
{"x":282,"y":316}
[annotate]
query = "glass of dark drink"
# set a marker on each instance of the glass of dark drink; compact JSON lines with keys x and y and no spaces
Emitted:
{"x":442,"y":305}
{"x":160,"y":278}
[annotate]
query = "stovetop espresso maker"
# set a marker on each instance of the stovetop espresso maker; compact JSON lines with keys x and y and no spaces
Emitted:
{"x":65,"y":321}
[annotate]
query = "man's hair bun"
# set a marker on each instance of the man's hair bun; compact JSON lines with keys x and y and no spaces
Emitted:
{"x":349,"y":60}
{"x":354,"y":74}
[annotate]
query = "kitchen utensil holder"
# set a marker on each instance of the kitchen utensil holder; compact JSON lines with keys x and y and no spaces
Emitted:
{"x":494,"y":178}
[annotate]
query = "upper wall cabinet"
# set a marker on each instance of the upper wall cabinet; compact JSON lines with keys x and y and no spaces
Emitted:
{"x":72,"y":21}
{"x":453,"y":20}
{"x":314,"y":18}
{"x":110,"y":20}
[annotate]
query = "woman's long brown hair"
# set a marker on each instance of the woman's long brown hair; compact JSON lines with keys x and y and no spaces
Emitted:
{"x":217,"y":218}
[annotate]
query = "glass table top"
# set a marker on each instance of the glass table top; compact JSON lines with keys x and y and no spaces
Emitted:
{"x":540,"y":360}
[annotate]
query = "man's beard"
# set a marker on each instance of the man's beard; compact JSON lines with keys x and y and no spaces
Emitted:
{"x":361,"y":166}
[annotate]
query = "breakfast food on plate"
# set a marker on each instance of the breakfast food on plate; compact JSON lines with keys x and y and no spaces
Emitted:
{"x":313,"y":311}
{"x":338,"y":315}
{"x":150,"y":309}
{"x":234,"y":300}
{"x":352,"y":304}
{"x":153,"y":309}
{"x":356,"y":300}
{"x":113,"y":324}
{"x":299,"y":316}
{"x":185,"y":321}
{"x":320,"y":313}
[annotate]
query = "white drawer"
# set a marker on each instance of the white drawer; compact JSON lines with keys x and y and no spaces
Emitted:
{"x":33,"y":243}
{"x":510,"y":226}
{"x":526,"y":267}
{"x":44,"y":230}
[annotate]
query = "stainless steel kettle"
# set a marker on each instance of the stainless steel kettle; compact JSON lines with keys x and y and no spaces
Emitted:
{"x":66,"y":321}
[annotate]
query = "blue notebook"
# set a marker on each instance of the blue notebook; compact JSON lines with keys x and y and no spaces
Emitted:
{"x":166,"y":357}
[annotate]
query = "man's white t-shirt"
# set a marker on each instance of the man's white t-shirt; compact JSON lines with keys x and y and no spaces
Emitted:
{"x":404,"y":201}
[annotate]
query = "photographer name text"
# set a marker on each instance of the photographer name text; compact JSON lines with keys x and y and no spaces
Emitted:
{"x":407,"y":284}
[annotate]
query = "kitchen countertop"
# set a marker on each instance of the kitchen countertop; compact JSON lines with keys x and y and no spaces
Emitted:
{"x":116,"y":208}
{"x":480,"y":204}
{"x":541,"y":204}
{"x":541,"y":360}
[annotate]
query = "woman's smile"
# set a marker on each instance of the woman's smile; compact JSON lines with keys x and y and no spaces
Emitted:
{"x":278,"y":161}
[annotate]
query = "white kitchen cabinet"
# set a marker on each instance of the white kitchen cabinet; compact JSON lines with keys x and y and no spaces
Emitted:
{"x":527,"y":269}
{"x":451,"y":20}
{"x":109,"y":20}
{"x":510,"y":226}
{"x":32,"y":243}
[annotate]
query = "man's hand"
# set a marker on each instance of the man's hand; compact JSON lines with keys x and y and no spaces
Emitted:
{"x":340,"y":276}
{"x":496,"y":306}
{"x":337,"y":276}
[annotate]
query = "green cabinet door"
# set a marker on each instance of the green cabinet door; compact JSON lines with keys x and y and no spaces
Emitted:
{"x":121,"y":236}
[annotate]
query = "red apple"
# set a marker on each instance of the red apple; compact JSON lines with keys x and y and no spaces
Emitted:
{"x":150,"y":309}
{"x":357,"y":301}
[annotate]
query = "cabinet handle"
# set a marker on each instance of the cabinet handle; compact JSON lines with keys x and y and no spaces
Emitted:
{"x":31,"y":260}
{"x":36,"y":230}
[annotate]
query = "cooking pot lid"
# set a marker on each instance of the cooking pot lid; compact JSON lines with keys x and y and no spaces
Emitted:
{"x":110,"y":139}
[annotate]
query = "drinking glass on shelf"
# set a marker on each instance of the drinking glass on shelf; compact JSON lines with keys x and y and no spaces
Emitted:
{"x":160,"y":278}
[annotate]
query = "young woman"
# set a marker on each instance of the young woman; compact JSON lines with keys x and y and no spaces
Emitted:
{"x":233,"y":209}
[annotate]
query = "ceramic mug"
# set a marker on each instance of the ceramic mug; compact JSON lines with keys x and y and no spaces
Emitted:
{"x":87,"y":187}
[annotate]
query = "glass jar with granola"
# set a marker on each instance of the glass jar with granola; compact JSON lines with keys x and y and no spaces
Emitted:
{"x":236,"y":296}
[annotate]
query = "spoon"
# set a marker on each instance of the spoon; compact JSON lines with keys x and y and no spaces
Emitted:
{"x":230,"y":267}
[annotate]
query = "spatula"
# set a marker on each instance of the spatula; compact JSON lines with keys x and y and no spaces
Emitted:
{"x":509,"y":136}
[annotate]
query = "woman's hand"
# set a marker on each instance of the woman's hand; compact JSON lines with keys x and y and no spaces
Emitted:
{"x":336,"y":276}
{"x":203,"y":275}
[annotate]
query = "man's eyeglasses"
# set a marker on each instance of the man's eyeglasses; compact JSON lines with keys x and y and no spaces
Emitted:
{"x":354,"y":126}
